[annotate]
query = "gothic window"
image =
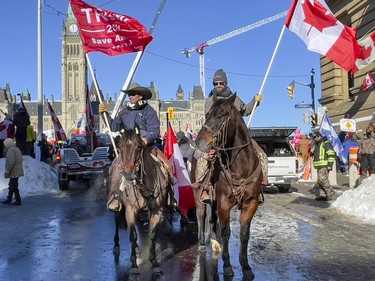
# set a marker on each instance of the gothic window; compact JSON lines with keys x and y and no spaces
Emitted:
{"x":70,"y":68}
{"x":73,"y":113}
{"x":76,"y":68}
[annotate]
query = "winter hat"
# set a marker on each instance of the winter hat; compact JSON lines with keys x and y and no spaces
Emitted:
{"x":8,"y":142}
{"x":220,"y":76}
{"x":317,"y":134}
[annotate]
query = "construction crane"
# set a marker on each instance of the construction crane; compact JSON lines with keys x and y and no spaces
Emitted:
{"x":200,"y":47}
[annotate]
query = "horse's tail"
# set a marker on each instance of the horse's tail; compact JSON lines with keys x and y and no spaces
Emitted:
{"x":120,"y":219}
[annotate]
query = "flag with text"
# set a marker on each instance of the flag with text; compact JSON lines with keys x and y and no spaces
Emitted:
{"x":108,"y":32}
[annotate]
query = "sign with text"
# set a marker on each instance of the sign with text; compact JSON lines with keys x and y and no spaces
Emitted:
{"x":303,"y":105}
{"x":348,"y":125}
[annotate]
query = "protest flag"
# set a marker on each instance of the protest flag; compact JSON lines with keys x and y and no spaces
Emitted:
{"x":368,"y":82}
{"x":183,"y":191}
{"x":108,"y":32}
{"x":315,"y":24}
{"x":327,"y":131}
{"x":59,"y":131}
{"x":367,"y":54}
{"x":22,"y":105}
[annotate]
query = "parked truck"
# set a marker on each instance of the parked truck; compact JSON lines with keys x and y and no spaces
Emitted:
{"x":282,"y":158}
{"x":75,"y":163}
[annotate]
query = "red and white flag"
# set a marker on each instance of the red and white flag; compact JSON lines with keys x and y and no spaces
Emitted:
{"x":108,"y":32}
{"x":88,"y":112}
{"x":183,"y":191}
{"x":59,"y":131}
{"x":367,"y":54}
{"x":368,"y":82}
{"x":314,"y":23}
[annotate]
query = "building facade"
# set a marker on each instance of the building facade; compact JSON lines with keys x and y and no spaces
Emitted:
{"x":343,"y":95}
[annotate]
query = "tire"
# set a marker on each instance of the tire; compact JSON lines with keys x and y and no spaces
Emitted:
{"x":63,"y":184}
{"x":283,"y":188}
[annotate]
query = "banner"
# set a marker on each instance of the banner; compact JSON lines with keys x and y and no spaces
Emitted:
{"x":108,"y":32}
{"x":368,"y":82}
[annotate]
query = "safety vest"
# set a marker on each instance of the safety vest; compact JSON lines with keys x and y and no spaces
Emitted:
{"x":324,"y":155}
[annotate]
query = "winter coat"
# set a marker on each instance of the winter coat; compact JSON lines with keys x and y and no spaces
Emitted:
{"x":146,"y":117}
{"x":13,"y":162}
{"x":245,"y":110}
{"x":324,"y":155}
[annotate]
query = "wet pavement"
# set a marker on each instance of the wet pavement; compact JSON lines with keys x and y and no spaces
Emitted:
{"x":69,"y":236}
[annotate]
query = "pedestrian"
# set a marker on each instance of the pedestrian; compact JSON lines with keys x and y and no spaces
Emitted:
{"x":136,"y":111}
{"x":45,"y":149}
{"x":30,"y":140}
{"x":304,"y":148}
{"x":6,"y":131}
{"x":221,"y":90}
{"x":21,"y":120}
{"x":324,"y":157}
{"x":366,"y":152}
{"x":348,"y":142}
{"x":13,"y":170}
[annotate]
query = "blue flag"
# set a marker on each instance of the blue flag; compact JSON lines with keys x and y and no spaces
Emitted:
{"x":327,"y":131}
{"x":79,"y":123}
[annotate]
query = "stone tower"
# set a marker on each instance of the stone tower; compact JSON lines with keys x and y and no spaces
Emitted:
{"x":74,"y":73}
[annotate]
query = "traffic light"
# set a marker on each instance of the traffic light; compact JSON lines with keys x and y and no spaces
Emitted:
{"x":170,"y":113}
{"x":314,"y":120}
{"x":291,"y":90}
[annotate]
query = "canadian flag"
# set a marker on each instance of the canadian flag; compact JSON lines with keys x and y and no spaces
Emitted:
{"x":368,"y":82}
{"x":367,"y":54}
{"x":59,"y":131}
{"x":183,"y":191}
{"x":314,"y":23}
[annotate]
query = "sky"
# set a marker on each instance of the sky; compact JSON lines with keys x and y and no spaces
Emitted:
{"x":245,"y":57}
{"x":40,"y":179}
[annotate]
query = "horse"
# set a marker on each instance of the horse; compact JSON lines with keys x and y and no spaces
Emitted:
{"x":235,"y":173}
{"x":140,"y":183}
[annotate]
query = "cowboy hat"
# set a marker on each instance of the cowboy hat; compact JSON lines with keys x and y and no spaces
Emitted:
{"x":142,"y":91}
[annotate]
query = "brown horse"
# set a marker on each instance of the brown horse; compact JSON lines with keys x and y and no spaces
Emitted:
{"x":140,"y":183}
{"x":235,"y":174}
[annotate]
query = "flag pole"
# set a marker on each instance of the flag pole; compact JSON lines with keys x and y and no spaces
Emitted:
{"x":134,"y":67}
{"x":267,"y":72}
{"x":106,"y":121}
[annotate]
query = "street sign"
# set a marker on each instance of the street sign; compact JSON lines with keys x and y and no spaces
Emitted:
{"x":303,"y":105}
{"x":348,"y":125}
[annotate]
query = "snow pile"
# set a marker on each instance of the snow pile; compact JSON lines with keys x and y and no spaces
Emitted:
{"x":359,"y":202}
{"x":39,"y":178}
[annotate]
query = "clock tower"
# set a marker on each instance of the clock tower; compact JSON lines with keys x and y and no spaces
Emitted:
{"x":74,"y":74}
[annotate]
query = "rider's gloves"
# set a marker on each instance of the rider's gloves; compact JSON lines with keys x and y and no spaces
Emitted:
{"x":258,"y":98}
{"x":102,"y":108}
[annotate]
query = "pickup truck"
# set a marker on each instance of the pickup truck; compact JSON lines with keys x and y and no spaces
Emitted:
{"x":282,"y":158}
{"x":74,"y":163}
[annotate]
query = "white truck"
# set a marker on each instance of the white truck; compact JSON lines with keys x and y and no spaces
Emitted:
{"x":282,"y":157}
{"x":74,"y":163}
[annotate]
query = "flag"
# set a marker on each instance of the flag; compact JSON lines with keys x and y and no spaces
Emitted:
{"x":367,"y":54}
{"x":108,"y":32}
{"x":59,"y":131}
{"x":88,"y":113}
{"x":183,"y":191}
{"x":22,"y":105}
{"x":327,"y":131}
{"x":314,"y":23}
{"x":368,"y":82}
{"x":79,"y":123}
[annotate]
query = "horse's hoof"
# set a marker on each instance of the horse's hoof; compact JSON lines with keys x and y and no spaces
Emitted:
{"x":156,"y":271}
{"x":228,"y":271}
{"x":134,"y":271}
{"x":248,"y":274}
{"x":116,"y":251}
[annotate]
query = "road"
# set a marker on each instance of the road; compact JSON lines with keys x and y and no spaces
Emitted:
{"x":69,"y":236}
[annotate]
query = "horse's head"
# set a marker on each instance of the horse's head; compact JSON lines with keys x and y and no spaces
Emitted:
{"x":131,"y":150}
{"x":217,"y":124}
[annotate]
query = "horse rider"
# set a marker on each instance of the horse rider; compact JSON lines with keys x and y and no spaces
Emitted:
{"x":137,"y":110}
{"x":222,"y":91}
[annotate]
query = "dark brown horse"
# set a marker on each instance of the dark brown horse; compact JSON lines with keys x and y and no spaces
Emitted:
{"x":144,"y":185}
{"x":235,"y":174}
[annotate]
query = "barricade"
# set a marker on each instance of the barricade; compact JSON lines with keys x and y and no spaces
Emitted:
{"x":353,"y":154}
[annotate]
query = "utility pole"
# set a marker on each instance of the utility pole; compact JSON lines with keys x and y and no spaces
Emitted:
{"x":312,"y":87}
